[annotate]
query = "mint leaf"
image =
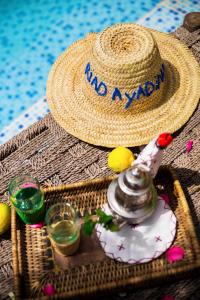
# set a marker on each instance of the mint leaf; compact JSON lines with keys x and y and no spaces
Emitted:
{"x":99,"y":212}
{"x":113,"y":227}
{"x":103,"y":217}
{"x":88,"y":226}
{"x":86,"y":218}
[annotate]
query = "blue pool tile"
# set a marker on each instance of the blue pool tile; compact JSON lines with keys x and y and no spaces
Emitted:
{"x":17,"y":92}
{"x":33,"y":114}
{"x":186,"y":5}
{"x":164,"y":19}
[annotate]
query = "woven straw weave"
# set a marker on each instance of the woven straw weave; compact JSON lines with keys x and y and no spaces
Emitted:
{"x":55,"y":157}
{"x":123,"y":56}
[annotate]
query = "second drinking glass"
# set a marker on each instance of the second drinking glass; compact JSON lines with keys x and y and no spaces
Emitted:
{"x":63,"y":228}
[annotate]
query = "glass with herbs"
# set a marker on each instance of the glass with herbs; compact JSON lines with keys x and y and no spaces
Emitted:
{"x":63,"y":228}
{"x":28,"y":198}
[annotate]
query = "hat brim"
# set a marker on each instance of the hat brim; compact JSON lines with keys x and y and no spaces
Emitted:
{"x":73,"y":109}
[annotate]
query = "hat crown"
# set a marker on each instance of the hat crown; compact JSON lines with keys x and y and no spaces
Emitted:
{"x":125,"y":46}
{"x":125,"y":65}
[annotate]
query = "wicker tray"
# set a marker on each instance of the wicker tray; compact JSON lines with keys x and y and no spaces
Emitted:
{"x":90,"y":271}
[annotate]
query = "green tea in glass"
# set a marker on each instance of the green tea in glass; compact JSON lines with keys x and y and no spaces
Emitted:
{"x":27,"y":198}
{"x":63,"y":228}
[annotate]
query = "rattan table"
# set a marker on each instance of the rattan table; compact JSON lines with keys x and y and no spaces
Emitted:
{"x":46,"y":151}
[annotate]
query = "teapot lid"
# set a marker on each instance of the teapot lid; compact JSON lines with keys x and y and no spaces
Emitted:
{"x":135,"y":180}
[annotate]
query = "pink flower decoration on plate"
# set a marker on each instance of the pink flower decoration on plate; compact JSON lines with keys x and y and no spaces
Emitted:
{"x":175,"y":253}
{"x":38,"y":225}
{"x":165,"y":198}
{"x":49,"y":289}
{"x":168,"y":297}
{"x":189,"y":146}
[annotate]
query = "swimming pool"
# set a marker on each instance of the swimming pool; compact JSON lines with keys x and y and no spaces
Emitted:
{"x":34,"y":32}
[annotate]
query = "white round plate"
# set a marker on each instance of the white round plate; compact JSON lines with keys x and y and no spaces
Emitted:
{"x":141,"y":243}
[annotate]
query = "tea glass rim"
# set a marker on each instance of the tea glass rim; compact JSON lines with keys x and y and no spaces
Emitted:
{"x":47,"y":222}
{"x":21,"y":175}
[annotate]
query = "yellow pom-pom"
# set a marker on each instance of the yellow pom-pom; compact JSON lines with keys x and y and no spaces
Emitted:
{"x":120,"y":159}
{"x":5,"y":217}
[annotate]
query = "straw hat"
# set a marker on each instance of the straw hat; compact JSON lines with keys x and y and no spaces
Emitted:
{"x":124,"y":86}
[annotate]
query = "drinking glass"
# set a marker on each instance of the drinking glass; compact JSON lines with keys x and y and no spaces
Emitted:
{"x":27,"y":198}
{"x":63,"y":227}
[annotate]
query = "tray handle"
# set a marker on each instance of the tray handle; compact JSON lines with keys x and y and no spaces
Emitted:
{"x":15,"y":254}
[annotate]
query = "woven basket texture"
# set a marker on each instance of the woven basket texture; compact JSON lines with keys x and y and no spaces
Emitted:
{"x":89,"y":271}
{"x":46,"y":151}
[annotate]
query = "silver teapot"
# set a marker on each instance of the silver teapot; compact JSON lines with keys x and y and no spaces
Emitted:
{"x":132,"y":196}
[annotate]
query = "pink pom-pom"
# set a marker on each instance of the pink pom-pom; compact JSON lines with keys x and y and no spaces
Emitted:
{"x":38,"y":225}
{"x":49,"y":289}
{"x":175,"y":253}
{"x":165,"y":198}
{"x":189,"y":146}
{"x":164,"y":140}
{"x":168,"y":297}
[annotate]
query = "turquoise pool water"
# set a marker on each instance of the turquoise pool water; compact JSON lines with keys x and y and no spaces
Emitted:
{"x":34,"y":32}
